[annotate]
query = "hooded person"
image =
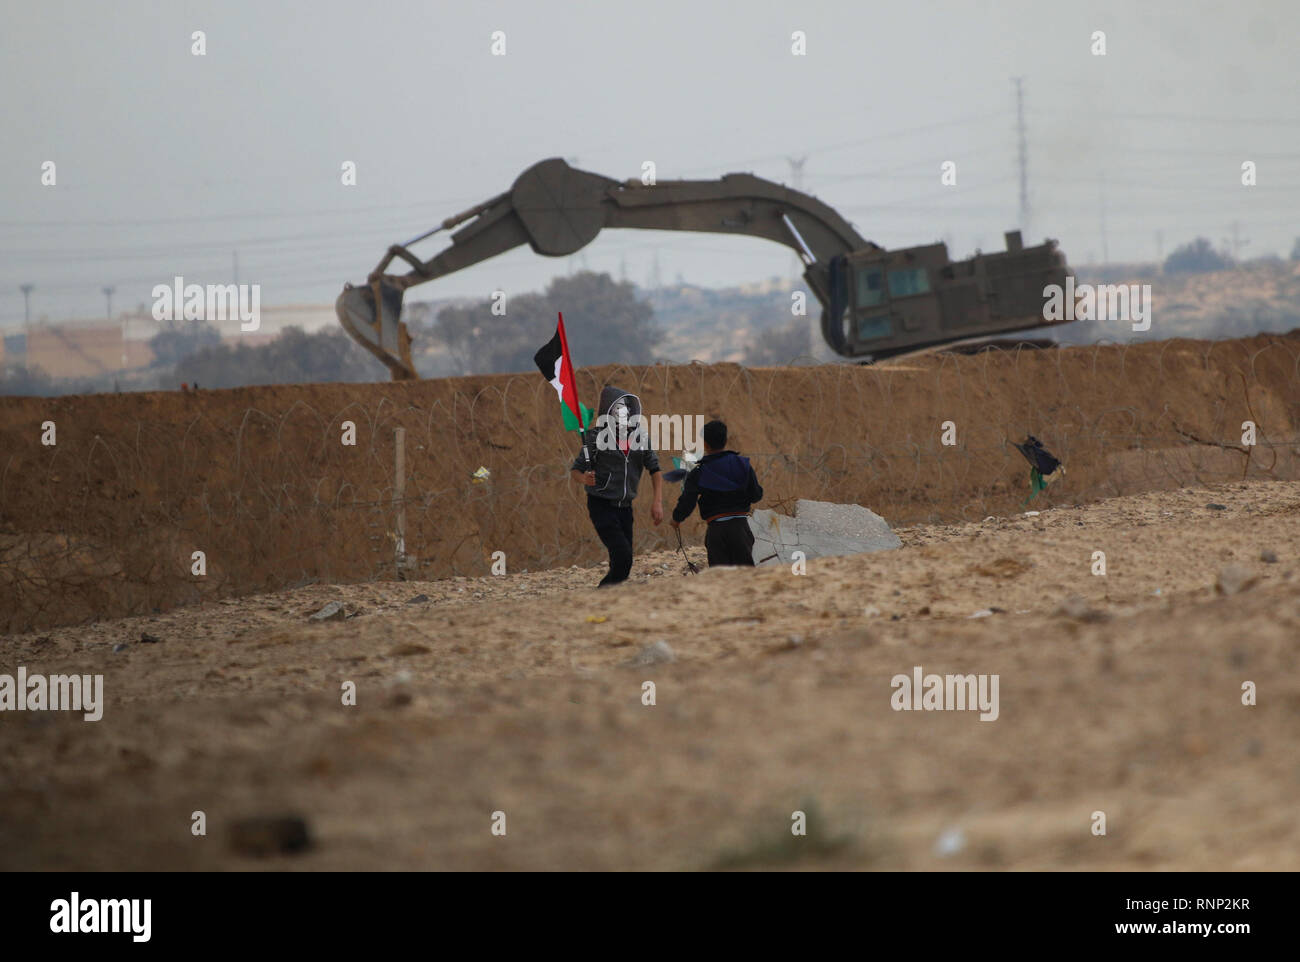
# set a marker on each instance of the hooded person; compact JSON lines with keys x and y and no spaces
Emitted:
{"x":725,"y":487}
{"x":615,"y":450}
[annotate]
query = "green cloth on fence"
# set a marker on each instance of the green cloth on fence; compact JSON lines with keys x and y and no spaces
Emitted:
{"x":1036,"y":483}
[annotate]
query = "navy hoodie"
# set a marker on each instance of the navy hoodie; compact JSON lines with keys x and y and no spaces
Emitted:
{"x":723,"y":483}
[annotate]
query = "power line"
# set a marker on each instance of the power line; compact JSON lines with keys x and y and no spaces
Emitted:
{"x":246,"y":215}
{"x":1198,"y":119}
{"x":862,"y":141}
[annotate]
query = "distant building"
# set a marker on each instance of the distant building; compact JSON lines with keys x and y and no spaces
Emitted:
{"x":82,"y":349}
{"x":13,"y":347}
{"x":74,"y":348}
{"x":310,"y":317}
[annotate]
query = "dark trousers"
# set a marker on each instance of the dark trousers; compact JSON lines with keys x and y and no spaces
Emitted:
{"x":614,"y":528}
{"x":730,"y":543}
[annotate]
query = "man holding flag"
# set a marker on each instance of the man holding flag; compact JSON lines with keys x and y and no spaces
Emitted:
{"x":614,"y":453}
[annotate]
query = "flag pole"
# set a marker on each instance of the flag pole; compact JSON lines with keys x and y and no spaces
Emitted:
{"x":564,"y":352}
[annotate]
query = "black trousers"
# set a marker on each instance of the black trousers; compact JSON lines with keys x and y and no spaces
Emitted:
{"x":614,"y":528}
{"x":730,"y":543}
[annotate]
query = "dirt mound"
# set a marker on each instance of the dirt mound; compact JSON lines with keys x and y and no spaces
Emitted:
{"x":108,"y":520}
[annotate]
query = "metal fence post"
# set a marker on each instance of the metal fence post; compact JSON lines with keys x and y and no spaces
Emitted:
{"x":399,"y":498}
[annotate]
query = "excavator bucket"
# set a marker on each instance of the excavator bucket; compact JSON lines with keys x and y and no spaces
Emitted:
{"x":552,"y":207}
{"x":373,"y":316}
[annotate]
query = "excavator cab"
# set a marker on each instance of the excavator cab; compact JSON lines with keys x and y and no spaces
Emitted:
{"x":906,"y":300}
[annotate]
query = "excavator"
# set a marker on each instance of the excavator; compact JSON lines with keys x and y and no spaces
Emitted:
{"x":876,"y":303}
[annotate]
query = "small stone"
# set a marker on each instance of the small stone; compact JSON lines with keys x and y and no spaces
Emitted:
{"x":660,"y":653}
{"x":418,"y":600}
{"x":1079,"y":609}
{"x":409,"y":649}
{"x":949,"y":843}
{"x":319,"y":766}
{"x":117,"y":648}
{"x":1233,"y":579}
{"x":982,"y":613}
{"x":1268,"y":557}
{"x":1217,"y":507}
{"x":148,"y":639}
{"x":795,"y":641}
{"x":263,"y":836}
{"x":331,"y":612}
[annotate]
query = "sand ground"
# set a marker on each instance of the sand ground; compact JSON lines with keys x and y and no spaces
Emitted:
{"x":508,"y":694}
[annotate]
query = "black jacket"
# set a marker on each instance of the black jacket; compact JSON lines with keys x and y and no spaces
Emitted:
{"x":617,"y":471}
{"x":723,"y":483}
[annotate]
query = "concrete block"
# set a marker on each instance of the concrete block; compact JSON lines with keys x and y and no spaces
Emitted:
{"x":820,"y":529}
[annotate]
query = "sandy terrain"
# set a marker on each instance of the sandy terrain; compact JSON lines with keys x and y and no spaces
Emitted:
{"x":507,"y":694}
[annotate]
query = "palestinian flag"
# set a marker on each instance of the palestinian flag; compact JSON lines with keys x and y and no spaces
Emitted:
{"x":553,"y":361}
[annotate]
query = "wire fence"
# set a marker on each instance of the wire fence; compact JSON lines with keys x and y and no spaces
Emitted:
{"x":149,"y":501}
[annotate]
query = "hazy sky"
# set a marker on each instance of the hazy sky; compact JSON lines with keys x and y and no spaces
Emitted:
{"x":167,"y":162}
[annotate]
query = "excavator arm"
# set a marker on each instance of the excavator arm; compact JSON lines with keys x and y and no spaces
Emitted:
{"x":557,"y":210}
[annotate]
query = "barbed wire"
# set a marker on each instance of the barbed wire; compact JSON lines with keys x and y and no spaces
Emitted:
{"x":106,"y":522}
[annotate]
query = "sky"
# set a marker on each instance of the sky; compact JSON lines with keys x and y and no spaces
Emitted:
{"x":168,"y":163}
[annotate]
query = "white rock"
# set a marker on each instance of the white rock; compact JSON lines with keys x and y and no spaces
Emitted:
{"x":950,"y":842}
{"x":660,"y":653}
